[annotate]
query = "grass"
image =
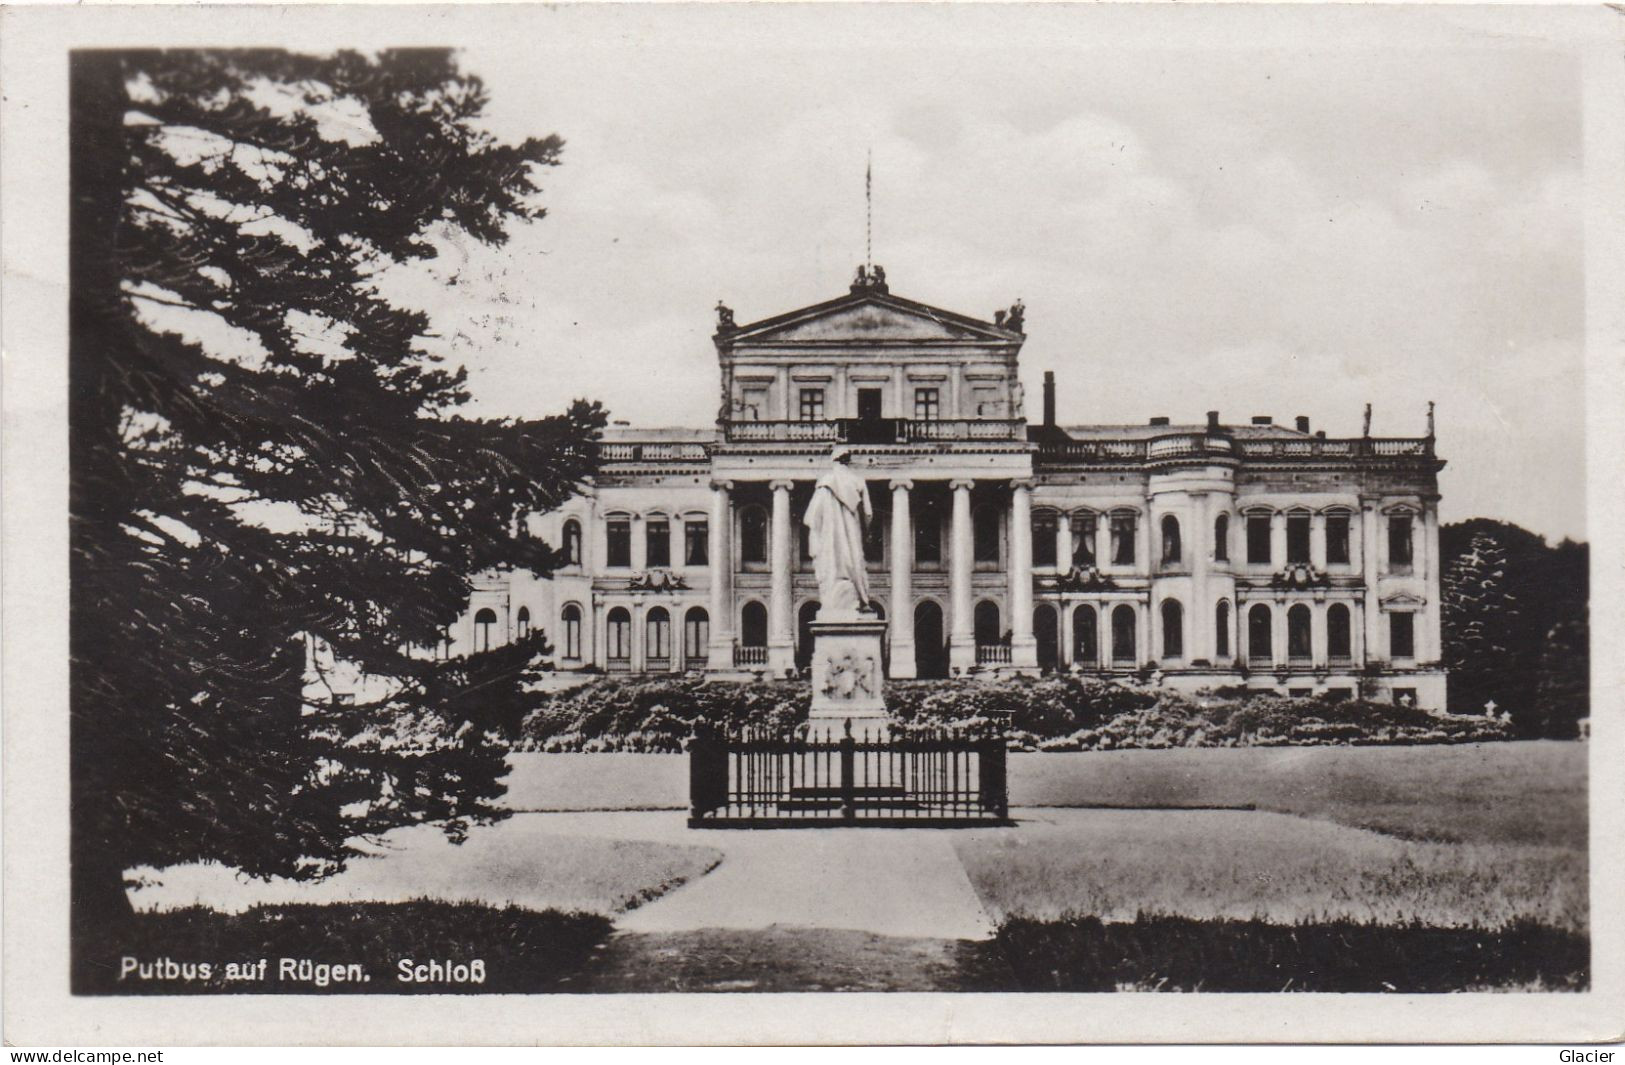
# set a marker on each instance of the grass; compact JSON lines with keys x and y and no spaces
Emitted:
{"x":1180,"y":954}
{"x":1530,"y":792}
{"x":519,"y":951}
{"x":515,"y":862}
{"x":1239,"y":866}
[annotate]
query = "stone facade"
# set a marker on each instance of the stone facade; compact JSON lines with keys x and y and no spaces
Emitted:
{"x":1193,"y":555}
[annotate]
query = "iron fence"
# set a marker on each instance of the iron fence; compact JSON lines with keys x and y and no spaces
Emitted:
{"x":924,"y":779}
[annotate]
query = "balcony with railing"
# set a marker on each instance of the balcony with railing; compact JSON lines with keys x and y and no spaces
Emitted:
{"x":626,"y":451}
{"x":750,"y":656}
{"x":881,"y":431}
{"x":1199,"y":445}
{"x":993,"y":654}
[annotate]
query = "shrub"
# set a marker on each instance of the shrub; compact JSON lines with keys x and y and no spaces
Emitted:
{"x":1052,"y":713}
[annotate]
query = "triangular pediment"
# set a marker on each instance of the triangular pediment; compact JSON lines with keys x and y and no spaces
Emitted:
{"x":868,"y":319}
{"x":1403,"y":599}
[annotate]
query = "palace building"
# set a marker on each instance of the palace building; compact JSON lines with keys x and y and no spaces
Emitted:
{"x":1191,"y":555}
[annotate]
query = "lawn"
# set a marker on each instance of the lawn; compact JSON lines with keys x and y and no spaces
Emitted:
{"x":1523,"y":792}
{"x":1241,"y":865}
{"x":516,"y":862}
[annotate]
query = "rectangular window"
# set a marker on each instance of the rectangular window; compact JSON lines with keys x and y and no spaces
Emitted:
{"x":1399,"y":541}
{"x":618,"y":542}
{"x":1339,"y":695}
{"x":1258,"y":539}
{"x":985,"y":535}
{"x":1404,"y":696}
{"x":1300,"y":693}
{"x":1083,"y":540}
{"x":927,"y":406}
{"x":1337,"y":540}
{"x":812,"y":404}
{"x":1297,"y":538}
{"x":1043,"y":540}
{"x":657,"y":543}
{"x":1401,"y":635}
{"x":1123,"y":539}
{"x":927,"y":535}
{"x":696,"y":543}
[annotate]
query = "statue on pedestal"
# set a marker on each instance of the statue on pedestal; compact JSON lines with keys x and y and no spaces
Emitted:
{"x":835,"y":520}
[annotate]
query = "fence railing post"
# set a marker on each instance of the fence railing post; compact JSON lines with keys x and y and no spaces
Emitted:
{"x":707,"y":771}
{"x":995,"y":782}
{"x":849,"y":809}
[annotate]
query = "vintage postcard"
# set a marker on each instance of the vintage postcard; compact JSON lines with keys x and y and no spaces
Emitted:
{"x":803,"y":523}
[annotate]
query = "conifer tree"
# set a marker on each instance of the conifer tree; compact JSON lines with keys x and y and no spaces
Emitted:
{"x":1479,"y":630}
{"x":279,"y":463}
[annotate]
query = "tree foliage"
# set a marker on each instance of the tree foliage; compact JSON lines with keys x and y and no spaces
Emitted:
{"x":1514,"y":625}
{"x":264,"y":455}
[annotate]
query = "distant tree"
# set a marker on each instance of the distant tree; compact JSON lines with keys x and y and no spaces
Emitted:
{"x":263,"y":454}
{"x":1512,"y":638}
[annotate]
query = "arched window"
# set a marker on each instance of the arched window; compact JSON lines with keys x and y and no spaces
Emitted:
{"x":1221,"y":538}
{"x":572,"y":543}
{"x":696,"y":635}
{"x":986,"y":620}
{"x":522,"y":620}
{"x":1173,"y":629}
{"x":1297,"y":633}
{"x":753,"y":534}
{"x":1085,"y":636}
{"x":1083,"y":539}
{"x":753,"y":625}
{"x":618,"y":635}
{"x":484,"y":622}
{"x":570,"y":622}
{"x":804,"y":638}
{"x":1123,"y":635}
{"x":657,"y":633}
{"x":1221,"y":629}
{"x":1260,"y":642}
{"x":1171,"y":548}
{"x":985,"y":534}
{"x":1338,"y":630}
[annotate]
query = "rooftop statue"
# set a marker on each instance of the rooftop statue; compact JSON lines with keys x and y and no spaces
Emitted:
{"x":835,"y":520}
{"x":725,"y":317}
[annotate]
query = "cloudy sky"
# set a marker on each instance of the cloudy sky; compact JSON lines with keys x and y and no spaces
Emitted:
{"x":1266,"y":222}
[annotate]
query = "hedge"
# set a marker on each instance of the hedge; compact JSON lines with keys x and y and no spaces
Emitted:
{"x":1052,"y":713}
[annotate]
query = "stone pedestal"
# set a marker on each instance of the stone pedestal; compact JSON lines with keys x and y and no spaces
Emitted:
{"x":847,"y":674}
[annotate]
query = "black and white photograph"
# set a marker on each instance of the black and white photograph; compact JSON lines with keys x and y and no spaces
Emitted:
{"x":953,"y":508}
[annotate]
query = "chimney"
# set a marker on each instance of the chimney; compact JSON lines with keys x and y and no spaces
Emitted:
{"x":1159,"y":420}
{"x":1263,"y":419}
{"x":1320,"y":434}
{"x":1303,"y":423}
{"x":1049,"y":399}
{"x":1212,"y":421}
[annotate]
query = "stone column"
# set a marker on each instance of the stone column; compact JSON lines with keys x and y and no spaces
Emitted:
{"x":1063,"y":541}
{"x":719,"y":532}
{"x":1278,"y":655}
{"x":962,"y":633}
{"x":1317,"y":634}
{"x":1023,"y":647}
{"x":1199,"y":611}
{"x":1432,"y":637}
{"x":1103,"y":541}
{"x":1317,"y":541}
{"x":781,"y":654}
{"x":1370,"y":544}
{"x":1063,"y":614}
{"x":1277,"y":541}
{"x":1143,"y":651}
{"x":902,"y":576}
{"x":640,"y":652}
